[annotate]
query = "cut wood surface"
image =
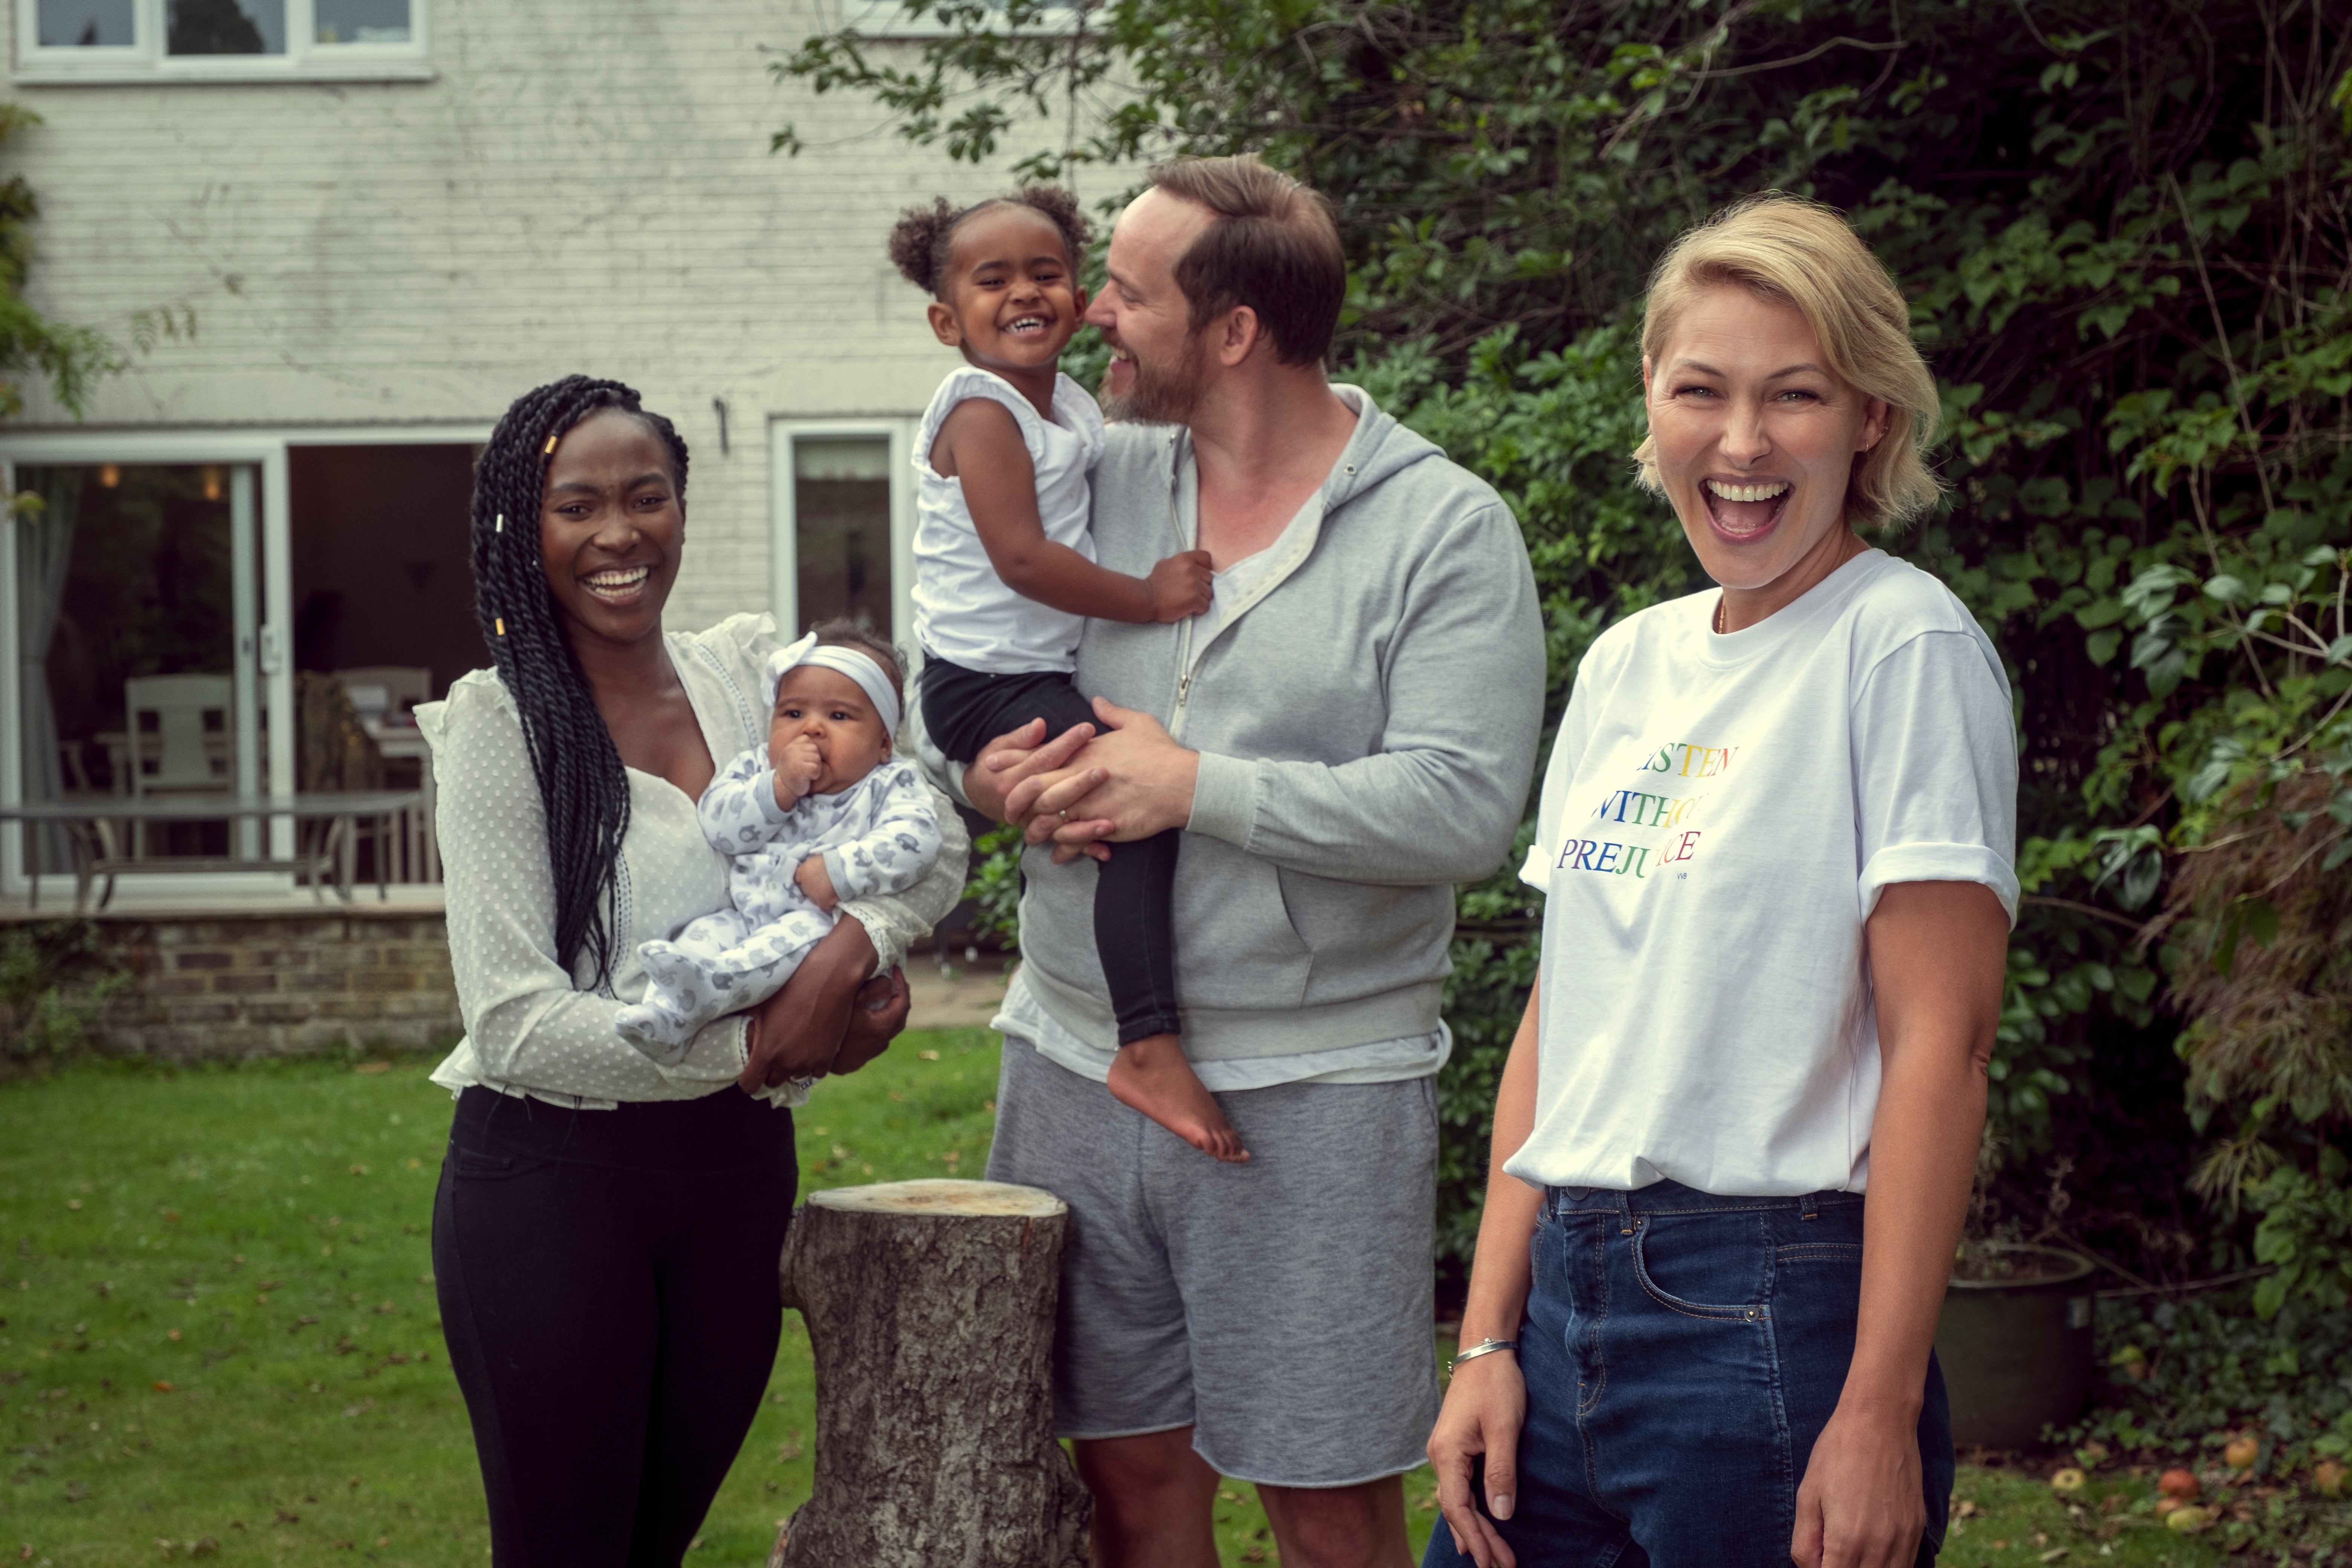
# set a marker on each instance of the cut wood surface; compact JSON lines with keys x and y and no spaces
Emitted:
{"x":931,"y":1314}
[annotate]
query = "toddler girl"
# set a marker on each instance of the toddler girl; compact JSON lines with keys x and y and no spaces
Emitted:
{"x":819,"y":813}
{"x":1005,"y":578}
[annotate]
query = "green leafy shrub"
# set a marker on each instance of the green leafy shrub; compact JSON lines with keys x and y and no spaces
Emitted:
{"x":54,"y":979}
{"x":994,"y":886}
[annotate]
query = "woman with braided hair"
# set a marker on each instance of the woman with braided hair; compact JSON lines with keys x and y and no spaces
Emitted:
{"x":606,"y":1232}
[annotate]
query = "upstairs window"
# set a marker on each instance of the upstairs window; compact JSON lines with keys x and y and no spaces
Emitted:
{"x":237,"y":40}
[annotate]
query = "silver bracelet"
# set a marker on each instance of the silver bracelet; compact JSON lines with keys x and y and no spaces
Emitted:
{"x":1484,"y":1347}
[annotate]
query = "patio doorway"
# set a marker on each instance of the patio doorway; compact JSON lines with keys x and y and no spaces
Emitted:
{"x":383,"y":612}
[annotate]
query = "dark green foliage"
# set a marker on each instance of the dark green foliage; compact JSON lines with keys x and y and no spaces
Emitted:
{"x":995,"y":886}
{"x":2126,"y":234}
{"x":55,"y":978}
{"x":2182,"y":1377}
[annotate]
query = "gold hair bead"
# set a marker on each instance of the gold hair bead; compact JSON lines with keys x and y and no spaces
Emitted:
{"x":501,"y":528}
{"x":501,"y":624}
{"x":550,"y":450}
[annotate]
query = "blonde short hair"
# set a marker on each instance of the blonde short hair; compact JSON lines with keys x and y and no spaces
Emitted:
{"x":1796,"y":252}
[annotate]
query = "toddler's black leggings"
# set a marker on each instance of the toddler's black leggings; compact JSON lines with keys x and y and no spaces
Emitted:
{"x":608,"y":1289}
{"x":963,"y":710}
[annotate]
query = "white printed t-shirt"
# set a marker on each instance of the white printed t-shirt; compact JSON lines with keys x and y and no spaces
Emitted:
{"x":964,"y":613}
{"x":1719,"y":817}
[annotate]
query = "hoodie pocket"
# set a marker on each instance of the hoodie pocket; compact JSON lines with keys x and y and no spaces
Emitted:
{"x":1236,"y":946}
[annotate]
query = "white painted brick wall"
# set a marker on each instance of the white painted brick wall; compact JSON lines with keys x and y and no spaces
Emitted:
{"x":585,"y":185}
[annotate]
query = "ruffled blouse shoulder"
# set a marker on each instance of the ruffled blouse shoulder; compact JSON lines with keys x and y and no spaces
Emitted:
{"x":476,"y":700}
{"x":725,"y":666}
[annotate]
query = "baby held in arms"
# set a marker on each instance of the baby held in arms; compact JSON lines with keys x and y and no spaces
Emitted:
{"x":819,"y":813}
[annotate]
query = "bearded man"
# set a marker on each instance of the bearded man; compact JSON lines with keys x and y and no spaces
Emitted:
{"x":1346,"y":734}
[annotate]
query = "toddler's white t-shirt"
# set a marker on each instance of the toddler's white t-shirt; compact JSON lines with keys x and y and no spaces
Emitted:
{"x":964,"y":613}
{"x":1717,"y":819}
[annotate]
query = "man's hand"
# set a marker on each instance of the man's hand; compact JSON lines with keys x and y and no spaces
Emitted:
{"x":1135,"y":782}
{"x":1015,"y":755}
{"x":1861,"y":1505}
{"x":799,"y":1031}
{"x":811,"y":878}
{"x":1182,"y":585}
{"x":797,"y":770}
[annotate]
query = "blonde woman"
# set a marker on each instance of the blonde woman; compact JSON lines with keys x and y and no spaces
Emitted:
{"x":1734,"y":1134}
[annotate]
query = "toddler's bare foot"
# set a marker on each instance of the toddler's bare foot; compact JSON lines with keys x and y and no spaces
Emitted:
{"x":1151,"y":1076}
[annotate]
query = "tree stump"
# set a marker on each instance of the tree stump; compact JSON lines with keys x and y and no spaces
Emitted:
{"x":931,"y":1309}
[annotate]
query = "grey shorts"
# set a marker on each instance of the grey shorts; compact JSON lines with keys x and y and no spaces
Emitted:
{"x":1282,"y":1309}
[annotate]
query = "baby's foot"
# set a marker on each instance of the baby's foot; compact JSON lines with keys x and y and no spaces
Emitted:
{"x":654,"y":1029}
{"x":667,"y":966}
{"x":1152,"y":1076}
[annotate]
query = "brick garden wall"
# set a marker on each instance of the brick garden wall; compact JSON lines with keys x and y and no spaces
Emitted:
{"x":231,"y":985}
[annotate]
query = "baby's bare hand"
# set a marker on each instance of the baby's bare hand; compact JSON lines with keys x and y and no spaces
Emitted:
{"x":797,"y":769}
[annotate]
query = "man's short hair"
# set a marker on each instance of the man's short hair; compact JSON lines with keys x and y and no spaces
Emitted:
{"x":1273,"y":247}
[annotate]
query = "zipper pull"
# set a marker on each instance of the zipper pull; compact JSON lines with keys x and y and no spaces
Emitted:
{"x":1183,"y":688}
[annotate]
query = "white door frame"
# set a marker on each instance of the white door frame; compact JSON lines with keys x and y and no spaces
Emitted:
{"x":784,"y":566}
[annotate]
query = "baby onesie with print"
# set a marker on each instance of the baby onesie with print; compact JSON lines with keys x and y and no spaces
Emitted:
{"x":878,"y":836}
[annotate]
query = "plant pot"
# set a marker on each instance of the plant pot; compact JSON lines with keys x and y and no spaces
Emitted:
{"x":2016,"y":1352}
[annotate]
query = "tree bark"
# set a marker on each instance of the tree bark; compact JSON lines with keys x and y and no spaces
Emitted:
{"x":931,"y":1310}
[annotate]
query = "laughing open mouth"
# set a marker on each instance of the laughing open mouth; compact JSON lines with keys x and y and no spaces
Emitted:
{"x":1027,"y":326}
{"x":618,"y":583}
{"x":1742,"y":511}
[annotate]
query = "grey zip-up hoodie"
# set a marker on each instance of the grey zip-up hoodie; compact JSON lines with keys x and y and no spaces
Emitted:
{"x":1366,"y":722}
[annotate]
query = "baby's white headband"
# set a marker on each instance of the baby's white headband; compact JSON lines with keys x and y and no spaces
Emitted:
{"x":861,"y":667}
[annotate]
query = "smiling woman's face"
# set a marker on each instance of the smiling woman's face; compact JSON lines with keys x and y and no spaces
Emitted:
{"x":1755,"y":442}
{"x":610,"y":526}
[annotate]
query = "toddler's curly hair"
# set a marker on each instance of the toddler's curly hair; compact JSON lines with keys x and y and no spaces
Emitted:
{"x":922,"y":243}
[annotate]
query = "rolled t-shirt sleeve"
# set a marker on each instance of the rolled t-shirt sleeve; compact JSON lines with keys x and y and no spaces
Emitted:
{"x":1935,"y":770}
{"x":1551,"y":803}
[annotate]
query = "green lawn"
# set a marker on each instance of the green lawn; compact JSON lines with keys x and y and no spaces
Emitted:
{"x":2013,"y":1519}
{"x":218,"y":1338}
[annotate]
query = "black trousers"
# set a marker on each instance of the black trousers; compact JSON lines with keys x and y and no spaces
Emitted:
{"x":963,"y":710}
{"x":608,"y":1289}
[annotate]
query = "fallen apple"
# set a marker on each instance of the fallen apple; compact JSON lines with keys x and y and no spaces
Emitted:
{"x":2068,"y":1481}
{"x":2242,"y":1452}
{"x":2329,"y":1477}
{"x":2178,"y":1484}
{"x":2189,"y":1521}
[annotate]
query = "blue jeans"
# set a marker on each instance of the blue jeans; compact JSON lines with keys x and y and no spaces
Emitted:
{"x":1682,"y":1353}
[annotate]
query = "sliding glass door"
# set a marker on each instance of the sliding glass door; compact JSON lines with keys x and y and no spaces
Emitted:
{"x":139,"y":656}
{"x":137,"y":624}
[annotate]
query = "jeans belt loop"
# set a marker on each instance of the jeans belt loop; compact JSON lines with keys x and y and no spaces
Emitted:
{"x":1812,"y":1205}
{"x":1625,"y":1213}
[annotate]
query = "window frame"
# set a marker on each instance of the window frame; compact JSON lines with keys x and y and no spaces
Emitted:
{"x":145,"y":63}
{"x":784,"y":554}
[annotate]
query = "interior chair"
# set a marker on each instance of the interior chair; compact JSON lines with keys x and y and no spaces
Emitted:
{"x":386,"y":690}
{"x":169,"y":717}
{"x":336,"y":755}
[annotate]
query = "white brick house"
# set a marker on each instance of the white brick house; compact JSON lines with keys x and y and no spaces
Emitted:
{"x":390,"y":221}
